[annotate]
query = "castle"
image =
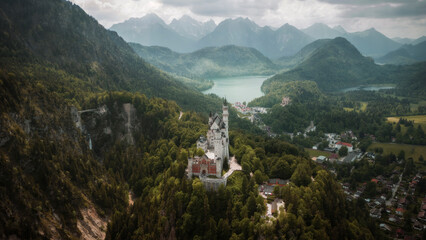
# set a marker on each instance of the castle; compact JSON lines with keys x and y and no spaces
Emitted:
{"x":215,"y":146}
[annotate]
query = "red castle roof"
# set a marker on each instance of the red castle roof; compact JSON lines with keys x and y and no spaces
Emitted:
{"x":344,"y":144}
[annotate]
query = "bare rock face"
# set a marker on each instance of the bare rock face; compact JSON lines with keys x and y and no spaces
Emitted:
{"x":92,"y":226}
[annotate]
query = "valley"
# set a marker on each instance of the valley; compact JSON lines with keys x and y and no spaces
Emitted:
{"x":183,"y":129}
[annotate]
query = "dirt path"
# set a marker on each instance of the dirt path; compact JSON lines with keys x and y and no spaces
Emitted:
{"x":233,"y":166}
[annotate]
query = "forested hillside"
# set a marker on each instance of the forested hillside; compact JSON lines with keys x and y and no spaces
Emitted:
{"x":61,"y":35}
{"x":336,"y":64}
{"x":407,"y":54}
{"x":211,"y":62}
{"x":176,"y":208}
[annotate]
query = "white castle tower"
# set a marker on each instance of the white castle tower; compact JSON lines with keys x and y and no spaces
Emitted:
{"x":215,"y":146}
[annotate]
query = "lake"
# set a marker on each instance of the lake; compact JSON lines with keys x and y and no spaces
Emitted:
{"x":238,"y":89}
{"x":367,"y":88}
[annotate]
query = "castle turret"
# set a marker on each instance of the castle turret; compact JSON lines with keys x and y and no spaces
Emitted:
{"x":225,"y":114}
{"x":210,"y":119}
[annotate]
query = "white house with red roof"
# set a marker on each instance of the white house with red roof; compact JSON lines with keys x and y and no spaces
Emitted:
{"x":348,"y":145}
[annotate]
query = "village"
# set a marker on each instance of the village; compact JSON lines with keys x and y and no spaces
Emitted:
{"x":394,"y":199}
{"x":397,"y":201}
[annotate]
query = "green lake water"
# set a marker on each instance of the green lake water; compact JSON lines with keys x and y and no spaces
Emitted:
{"x":238,"y":89}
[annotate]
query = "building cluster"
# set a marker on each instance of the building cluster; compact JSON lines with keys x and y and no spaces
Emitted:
{"x":244,"y":109}
{"x":390,"y":208}
{"x":266,"y":191}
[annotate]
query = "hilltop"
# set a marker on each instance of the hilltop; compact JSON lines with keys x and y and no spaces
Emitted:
{"x":208,"y":62}
{"x":407,"y":54}
{"x":336,"y":64}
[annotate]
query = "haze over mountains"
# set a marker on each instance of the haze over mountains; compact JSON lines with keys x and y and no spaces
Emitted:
{"x":187,"y":35}
{"x":336,"y":64}
{"x":407,"y":54}
{"x":210,"y":62}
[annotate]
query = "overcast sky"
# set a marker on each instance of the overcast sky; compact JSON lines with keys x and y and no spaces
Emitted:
{"x":394,"y":18}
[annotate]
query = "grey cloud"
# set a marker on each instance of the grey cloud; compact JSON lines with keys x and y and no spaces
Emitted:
{"x":225,"y":8}
{"x":417,"y":9}
{"x":367,"y":2}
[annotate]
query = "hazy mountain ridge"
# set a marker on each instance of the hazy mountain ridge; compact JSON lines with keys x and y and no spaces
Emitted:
{"x":407,"y":54}
{"x":151,"y":30}
{"x":209,"y":62}
{"x":335,"y":64}
{"x":369,"y":42}
{"x":189,"y":27}
{"x":302,"y":55}
{"x":322,"y":31}
{"x":187,"y":34}
{"x":285,"y":41}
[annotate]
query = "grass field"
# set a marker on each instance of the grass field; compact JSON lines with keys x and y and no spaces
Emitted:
{"x":362,"y":108}
{"x":413,"y":151}
{"x":418,"y":120}
{"x":316,"y":153}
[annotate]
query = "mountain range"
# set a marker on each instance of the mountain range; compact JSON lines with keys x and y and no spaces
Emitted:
{"x":187,"y":35}
{"x":369,"y":42}
{"x":332,"y":64}
{"x":407,"y":54}
{"x":285,"y":41}
{"x":335,"y":64}
{"x":191,"y":28}
{"x":409,"y":40}
{"x":151,"y":30}
{"x":210,"y":62}
{"x":98,"y":57}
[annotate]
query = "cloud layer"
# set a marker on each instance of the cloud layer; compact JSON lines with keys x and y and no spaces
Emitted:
{"x":405,"y":18}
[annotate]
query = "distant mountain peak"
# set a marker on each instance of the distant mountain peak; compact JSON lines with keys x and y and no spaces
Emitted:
{"x":152,"y":18}
{"x":192,"y":28}
{"x":186,"y":17}
{"x":371,"y":30}
{"x":148,"y":19}
{"x":322,"y":31}
{"x":287,"y":26}
{"x":340,"y":29}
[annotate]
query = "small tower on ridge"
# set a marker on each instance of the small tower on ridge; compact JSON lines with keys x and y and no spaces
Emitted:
{"x":225,"y":114}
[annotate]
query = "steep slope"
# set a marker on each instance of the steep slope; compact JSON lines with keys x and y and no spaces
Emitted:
{"x":208,"y":62}
{"x":418,"y":40}
{"x":151,"y":30}
{"x":339,"y":29}
{"x":334,"y":65}
{"x":371,"y":42}
{"x":403,"y":40}
{"x":407,"y":54}
{"x":322,"y":31}
{"x":191,"y":28}
{"x":285,"y":41}
{"x":61,"y":34}
{"x":301,"y":56}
